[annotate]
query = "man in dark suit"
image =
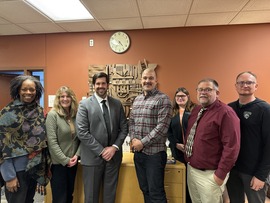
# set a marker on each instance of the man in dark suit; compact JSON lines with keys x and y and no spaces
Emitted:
{"x":101,"y":141}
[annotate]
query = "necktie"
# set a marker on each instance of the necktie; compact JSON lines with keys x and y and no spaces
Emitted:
{"x":192,"y":132}
{"x":106,"y":116}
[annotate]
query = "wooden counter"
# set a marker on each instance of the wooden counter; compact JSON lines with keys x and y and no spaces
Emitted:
{"x":128,"y":190}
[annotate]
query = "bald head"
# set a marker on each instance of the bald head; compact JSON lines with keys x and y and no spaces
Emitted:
{"x":149,"y":80}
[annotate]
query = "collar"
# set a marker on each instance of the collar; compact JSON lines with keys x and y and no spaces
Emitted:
{"x":150,"y":93}
{"x":17,"y":102}
{"x":216,"y":102}
{"x":99,"y":99}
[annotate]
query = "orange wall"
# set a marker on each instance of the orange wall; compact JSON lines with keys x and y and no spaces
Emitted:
{"x":184,"y":56}
{"x":4,"y":89}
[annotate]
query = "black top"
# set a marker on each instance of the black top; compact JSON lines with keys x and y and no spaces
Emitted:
{"x":254,"y":153}
{"x":175,"y":135}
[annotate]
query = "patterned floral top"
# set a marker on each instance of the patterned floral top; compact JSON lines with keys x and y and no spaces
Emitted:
{"x":22,"y":132}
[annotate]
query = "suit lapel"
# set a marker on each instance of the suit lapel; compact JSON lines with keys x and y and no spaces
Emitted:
{"x":112,"y":111}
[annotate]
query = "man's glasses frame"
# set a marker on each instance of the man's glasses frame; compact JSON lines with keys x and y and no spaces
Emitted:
{"x":247,"y":83}
{"x":206,"y":90}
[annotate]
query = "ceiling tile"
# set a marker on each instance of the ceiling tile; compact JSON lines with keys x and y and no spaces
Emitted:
{"x":212,"y":6}
{"x":17,"y":17}
{"x":12,"y":30}
{"x":42,"y":28}
{"x":164,"y":21}
{"x":105,"y":9}
{"x":161,"y":7}
{"x":248,"y":17}
{"x":121,"y":24}
{"x":20,"y":12}
{"x":81,"y":26}
{"x":210,"y":19}
{"x":3,"y":21}
{"x":257,"y":5}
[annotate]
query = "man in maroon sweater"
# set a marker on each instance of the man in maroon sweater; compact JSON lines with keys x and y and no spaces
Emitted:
{"x":216,"y":145}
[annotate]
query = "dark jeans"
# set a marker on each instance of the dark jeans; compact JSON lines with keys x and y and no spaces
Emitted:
{"x":150,"y":173}
{"x":238,"y":184}
{"x":62,"y":183}
{"x":26,"y":191}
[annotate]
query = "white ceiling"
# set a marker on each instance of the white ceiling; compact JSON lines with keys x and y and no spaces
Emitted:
{"x":18,"y":18}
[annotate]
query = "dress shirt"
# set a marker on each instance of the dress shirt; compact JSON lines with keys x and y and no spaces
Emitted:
{"x":100,"y":102}
{"x":217,"y":139}
{"x":99,"y":99}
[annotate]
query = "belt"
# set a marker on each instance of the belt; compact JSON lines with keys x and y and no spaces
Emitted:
{"x":201,"y":169}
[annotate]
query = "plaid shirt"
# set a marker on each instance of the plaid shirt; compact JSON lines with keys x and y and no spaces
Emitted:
{"x":150,"y":119}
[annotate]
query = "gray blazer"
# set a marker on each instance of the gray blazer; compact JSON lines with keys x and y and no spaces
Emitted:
{"x":92,"y":131}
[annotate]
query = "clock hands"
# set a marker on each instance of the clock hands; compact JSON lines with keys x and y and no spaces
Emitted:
{"x":120,"y":43}
{"x":117,"y":42}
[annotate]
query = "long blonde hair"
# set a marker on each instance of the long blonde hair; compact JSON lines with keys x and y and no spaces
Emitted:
{"x":74,"y":103}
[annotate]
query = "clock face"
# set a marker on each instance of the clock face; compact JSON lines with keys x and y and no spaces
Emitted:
{"x":119,"y":42}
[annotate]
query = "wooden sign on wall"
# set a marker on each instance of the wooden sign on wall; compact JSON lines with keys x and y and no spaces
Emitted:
{"x":125,"y":81}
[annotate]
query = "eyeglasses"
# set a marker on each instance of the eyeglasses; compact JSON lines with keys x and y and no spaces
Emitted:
{"x":206,"y":90}
{"x":242,"y":83}
{"x":182,"y":96}
{"x":30,"y":90}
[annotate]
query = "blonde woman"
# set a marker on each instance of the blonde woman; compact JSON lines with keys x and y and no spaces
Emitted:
{"x":63,"y":144}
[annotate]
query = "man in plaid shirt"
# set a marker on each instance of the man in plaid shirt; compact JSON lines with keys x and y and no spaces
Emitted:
{"x":148,"y":125}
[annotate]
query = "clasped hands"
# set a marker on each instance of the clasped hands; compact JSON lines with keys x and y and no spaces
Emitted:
{"x":136,"y":145}
{"x":108,"y":153}
{"x":73,"y":161}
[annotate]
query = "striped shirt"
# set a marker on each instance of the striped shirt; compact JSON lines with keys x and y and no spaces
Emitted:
{"x":150,"y":119}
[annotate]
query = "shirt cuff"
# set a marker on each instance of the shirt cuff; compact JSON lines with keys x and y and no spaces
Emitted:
{"x":7,"y":170}
{"x":117,"y":148}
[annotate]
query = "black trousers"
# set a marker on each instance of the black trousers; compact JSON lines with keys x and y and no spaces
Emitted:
{"x":26,"y":191}
{"x":239,"y":184}
{"x":62,"y":183}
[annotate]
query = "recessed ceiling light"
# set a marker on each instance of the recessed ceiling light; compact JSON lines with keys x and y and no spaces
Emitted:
{"x":62,"y":10}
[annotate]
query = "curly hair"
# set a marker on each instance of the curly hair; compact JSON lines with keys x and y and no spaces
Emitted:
{"x":16,"y":84}
{"x":74,"y":103}
{"x":189,"y":105}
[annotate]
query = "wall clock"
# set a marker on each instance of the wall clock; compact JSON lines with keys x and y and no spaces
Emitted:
{"x":119,"y":42}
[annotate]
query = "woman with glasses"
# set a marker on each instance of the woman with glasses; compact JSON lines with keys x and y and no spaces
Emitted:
{"x":182,"y":106}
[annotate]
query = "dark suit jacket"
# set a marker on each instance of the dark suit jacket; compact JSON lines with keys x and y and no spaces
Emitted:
{"x":92,"y":129}
{"x":175,"y":135}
